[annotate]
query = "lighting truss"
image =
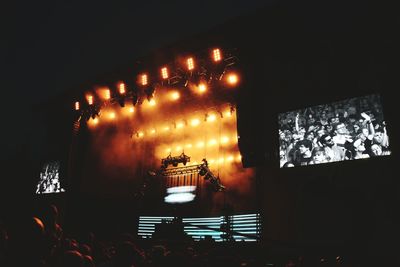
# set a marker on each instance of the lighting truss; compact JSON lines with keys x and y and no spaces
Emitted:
{"x":181,"y":170}
{"x":177,"y":77}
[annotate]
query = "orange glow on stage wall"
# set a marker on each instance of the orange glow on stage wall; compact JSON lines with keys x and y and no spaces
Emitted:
{"x":124,"y":145}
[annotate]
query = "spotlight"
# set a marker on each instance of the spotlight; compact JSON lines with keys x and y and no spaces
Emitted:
{"x":232,"y":79}
{"x":190,"y":63}
{"x":143,"y":80}
{"x":121,"y":88}
{"x":202,"y":171}
{"x":216,"y":55}
{"x":174,"y":161}
{"x":164,"y":73}
{"x":107,"y":94}
{"x":121,"y":94}
{"x":90,"y":99}
{"x":77,"y":106}
{"x":208,"y":175}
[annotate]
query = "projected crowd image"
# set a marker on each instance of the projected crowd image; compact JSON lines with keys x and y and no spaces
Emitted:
{"x":346,"y":130}
{"x":49,"y":181}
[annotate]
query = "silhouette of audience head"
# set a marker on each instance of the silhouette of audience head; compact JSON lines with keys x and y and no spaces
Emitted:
{"x":71,"y":258}
{"x":27,"y":242}
{"x":126,"y":255}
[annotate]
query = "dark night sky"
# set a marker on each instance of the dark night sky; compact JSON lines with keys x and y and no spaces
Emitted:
{"x":49,"y":47}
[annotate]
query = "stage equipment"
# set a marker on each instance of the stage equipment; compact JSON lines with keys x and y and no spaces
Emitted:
{"x":174,"y":161}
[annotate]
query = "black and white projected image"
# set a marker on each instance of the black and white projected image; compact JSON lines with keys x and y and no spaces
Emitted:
{"x":346,"y":130}
{"x":50,"y":179}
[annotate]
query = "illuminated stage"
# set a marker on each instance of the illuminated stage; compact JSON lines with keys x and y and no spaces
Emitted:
{"x":136,"y":140}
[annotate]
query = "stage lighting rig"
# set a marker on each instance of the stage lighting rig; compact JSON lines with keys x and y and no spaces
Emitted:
{"x":174,"y":161}
{"x":91,"y":111}
{"x":221,"y":67}
{"x":208,"y":175}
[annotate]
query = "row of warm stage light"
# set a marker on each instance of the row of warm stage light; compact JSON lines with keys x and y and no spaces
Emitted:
{"x":225,"y":140}
{"x":143,"y":81}
{"x":175,"y":125}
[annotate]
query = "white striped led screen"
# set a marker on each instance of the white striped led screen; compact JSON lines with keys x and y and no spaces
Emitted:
{"x":248,"y":224}
{"x":147,"y":225}
{"x":198,"y":228}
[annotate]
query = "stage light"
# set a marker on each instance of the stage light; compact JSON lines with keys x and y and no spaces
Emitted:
{"x":195,"y":122}
{"x":111,"y":115}
{"x":200,"y":144}
{"x":227,"y":114}
{"x":224,"y":139}
{"x":89,"y":99}
{"x":232,"y":79}
{"x":107,"y":94}
{"x":174,"y":161}
{"x":211,"y":118}
{"x":208,"y":175}
{"x":202,"y":87}
{"x":77,"y":106}
{"x":121,"y":88}
{"x":144,"y":80}
{"x":131,"y":109}
{"x":121,"y":94}
{"x":152,"y":102}
{"x":216,"y":55}
{"x":104,"y":93}
{"x":190,"y":63}
{"x":174,"y":95}
{"x":212,"y":142}
{"x":202,"y":172}
{"x":164,"y":73}
{"x":230,"y":158}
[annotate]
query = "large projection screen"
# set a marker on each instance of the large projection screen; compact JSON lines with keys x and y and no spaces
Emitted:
{"x":350,"y":129}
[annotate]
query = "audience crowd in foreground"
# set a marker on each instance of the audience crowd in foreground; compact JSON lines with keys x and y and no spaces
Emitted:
{"x":40,"y":241}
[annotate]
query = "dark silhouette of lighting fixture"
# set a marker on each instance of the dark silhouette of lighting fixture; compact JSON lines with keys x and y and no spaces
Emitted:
{"x":150,"y":91}
{"x":135,"y":98}
{"x":122,"y":92}
{"x":174,"y":161}
{"x":91,"y":111}
{"x":208,"y":175}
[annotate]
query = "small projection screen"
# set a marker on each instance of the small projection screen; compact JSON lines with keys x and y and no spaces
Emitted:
{"x":350,"y":129}
{"x":49,"y":181}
